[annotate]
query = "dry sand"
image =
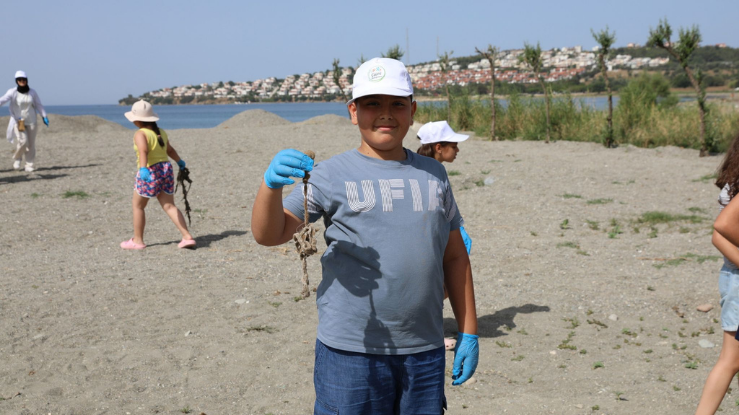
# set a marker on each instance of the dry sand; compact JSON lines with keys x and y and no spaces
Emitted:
{"x":88,"y":328}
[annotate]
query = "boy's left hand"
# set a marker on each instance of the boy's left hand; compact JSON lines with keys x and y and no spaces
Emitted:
{"x":466,"y":354}
{"x":181,"y":164}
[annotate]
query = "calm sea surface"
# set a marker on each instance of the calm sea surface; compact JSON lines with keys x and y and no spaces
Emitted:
{"x":203,"y":116}
{"x":208,"y":116}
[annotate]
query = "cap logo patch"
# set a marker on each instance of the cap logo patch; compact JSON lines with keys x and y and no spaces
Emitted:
{"x":376,"y":74}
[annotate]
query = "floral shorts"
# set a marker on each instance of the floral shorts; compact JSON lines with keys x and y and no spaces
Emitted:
{"x":162,"y":181}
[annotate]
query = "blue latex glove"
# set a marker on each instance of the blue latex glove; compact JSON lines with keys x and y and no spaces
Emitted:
{"x":286,"y":164}
{"x":466,"y":238}
{"x":181,"y":163}
{"x":466,"y":354}
{"x":145,"y":174}
{"x":46,"y":121}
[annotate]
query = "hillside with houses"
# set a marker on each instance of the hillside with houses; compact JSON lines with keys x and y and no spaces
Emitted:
{"x":559,"y":64}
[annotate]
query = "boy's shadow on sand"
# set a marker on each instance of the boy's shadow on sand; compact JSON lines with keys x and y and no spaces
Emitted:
{"x":488,"y":326}
{"x":204,"y":241}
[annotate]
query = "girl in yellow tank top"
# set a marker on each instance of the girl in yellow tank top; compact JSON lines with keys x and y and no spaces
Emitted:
{"x":155,"y":177}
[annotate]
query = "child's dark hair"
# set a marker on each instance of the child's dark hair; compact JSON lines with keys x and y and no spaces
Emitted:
{"x":428,"y":149}
{"x":152,"y":125}
{"x":728,"y":172}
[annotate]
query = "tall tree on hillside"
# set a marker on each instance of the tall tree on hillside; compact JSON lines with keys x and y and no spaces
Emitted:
{"x":394,"y":53}
{"x":361,"y":60}
{"x":606,"y":39}
{"x":490,"y":53}
{"x":444,"y":64}
{"x":681,"y":52}
{"x":532,"y":58}
{"x":337,"y":77}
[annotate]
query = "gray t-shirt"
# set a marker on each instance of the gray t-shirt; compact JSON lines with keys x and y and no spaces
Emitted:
{"x":387,"y":227}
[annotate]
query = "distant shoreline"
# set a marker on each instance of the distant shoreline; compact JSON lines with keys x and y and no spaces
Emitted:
{"x":718,"y":94}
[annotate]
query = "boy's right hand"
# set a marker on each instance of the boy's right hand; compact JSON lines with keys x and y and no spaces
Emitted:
{"x":287,"y":163}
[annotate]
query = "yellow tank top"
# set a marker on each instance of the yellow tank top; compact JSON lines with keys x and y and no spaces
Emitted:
{"x":157,"y":153}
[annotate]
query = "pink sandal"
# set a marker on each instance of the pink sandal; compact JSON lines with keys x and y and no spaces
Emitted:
{"x":130,"y":244}
{"x":187,"y":243}
{"x":449,"y":344}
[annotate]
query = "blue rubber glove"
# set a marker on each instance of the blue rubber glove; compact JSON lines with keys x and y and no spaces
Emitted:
{"x":145,"y":174}
{"x":286,"y":164}
{"x":46,"y":121}
{"x":181,"y":163}
{"x":466,"y":354}
{"x":466,"y":238}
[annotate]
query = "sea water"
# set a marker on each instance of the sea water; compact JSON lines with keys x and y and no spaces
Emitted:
{"x":203,"y":116}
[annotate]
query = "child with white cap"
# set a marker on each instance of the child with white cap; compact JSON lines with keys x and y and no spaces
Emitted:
{"x":439,"y":141}
{"x":155,"y":178}
{"x":393,"y":243}
{"x":24,"y":105}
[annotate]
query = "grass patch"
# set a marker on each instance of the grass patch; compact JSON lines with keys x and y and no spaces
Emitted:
{"x":568,"y":245}
{"x":598,"y":365}
{"x":480,"y":183}
{"x":266,"y":329}
{"x":615,"y":230}
{"x":453,"y":173}
{"x":655,"y":217}
{"x":696,"y":210}
{"x":79,"y":194}
{"x":571,"y":196}
{"x":707,"y":178}
{"x":687,"y":257}
{"x":599,"y":201}
{"x":518,"y":358}
{"x":503,"y":344}
{"x":565,"y":224}
{"x":593,"y":225}
{"x":35,"y":195}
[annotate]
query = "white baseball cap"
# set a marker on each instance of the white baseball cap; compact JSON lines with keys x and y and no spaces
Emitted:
{"x":381,"y":76}
{"x":20,"y":74}
{"x":142,"y":111}
{"x":436,"y":132}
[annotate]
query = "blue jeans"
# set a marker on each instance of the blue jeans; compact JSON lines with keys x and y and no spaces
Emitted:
{"x":360,"y":383}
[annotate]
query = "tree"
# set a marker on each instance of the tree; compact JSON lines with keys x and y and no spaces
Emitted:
{"x":606,"y":39}
{"x":444,"y":63}
{"x":337,"y":77}
{"x":361,"y":60}
{"x":532,"y":58}
{"x":681,"y":52}
{"x":394,"y":53}
{"x":490,"y":54}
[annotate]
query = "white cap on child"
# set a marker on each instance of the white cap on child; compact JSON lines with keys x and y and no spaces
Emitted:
{"x":436,"y":132}
{"x":381,"y":76}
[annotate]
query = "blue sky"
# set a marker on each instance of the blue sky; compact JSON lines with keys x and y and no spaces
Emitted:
{"x":95,"y":52}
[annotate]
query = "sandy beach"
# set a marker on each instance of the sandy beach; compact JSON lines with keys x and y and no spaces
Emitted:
{"x":585,"y":305}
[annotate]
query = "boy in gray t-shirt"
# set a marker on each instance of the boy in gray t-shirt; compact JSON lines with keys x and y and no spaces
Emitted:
{"x":393,"y":242}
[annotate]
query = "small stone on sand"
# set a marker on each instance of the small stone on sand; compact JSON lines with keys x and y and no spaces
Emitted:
{"x":706,"y":344}
{"x":613,"y":317}
{"x":705,"y":308}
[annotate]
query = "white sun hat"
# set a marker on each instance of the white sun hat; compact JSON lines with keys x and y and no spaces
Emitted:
{"x":20,"y":74}
{"x":436,"y":132}
{"x":141,"y":111}
{"x":381,"y":76}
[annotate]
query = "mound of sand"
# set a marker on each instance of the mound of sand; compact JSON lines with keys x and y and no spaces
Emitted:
{"x":254,"y":118}
{"x":328,"y":119}
{"x":75,"y":124}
